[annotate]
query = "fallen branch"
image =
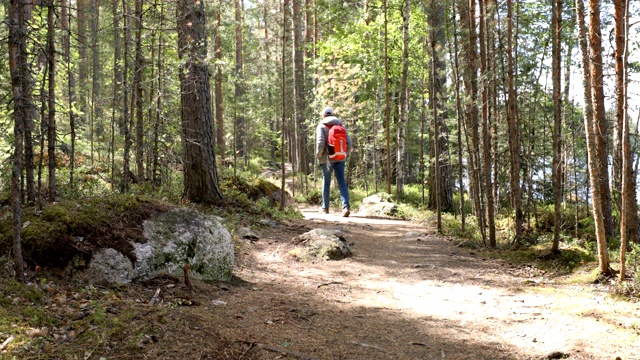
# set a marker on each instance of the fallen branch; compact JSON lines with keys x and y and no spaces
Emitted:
{"x":368,"y":346}
{"x":276,"y":350}
{"x":6,"y":342}
{"x":187,"y":280}
{"x":329,"y":283}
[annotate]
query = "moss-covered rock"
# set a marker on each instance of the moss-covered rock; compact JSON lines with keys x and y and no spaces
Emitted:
{"x":184,"y":236}
{"x":327,"y":244}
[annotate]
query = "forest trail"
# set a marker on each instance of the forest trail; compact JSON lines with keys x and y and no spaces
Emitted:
{"x":408,"y":293}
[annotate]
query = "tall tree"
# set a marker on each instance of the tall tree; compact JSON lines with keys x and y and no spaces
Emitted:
{"x":218,"y":82}
{"x":200,"y":173}
{"x":627,"y":219}
{"x":116,"y":115}
{"x":514,"y":128}
{"x":594,"y":168}
{"x":403,"y":117}
{"x":65,"y":20}
{"x":126,"y":157}
{"x":599,"y":115}
{"x":137,"y":83}
{"x":95,"y":126}
{"x":240,"y":133}
{"x":283,"y":73}
{"x":387,"y":106}
{"x":18,"y":66}
{"x":459,"y":115}
{"x":469,"y":76}
{"x":51,"y":106}
{"x":486,"y":122}
{"x":298,"y":87}
{"x":556,"y":60}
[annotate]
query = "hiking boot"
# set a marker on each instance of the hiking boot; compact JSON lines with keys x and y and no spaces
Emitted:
{"x":346,"y":212}
{"x":323,"y":210}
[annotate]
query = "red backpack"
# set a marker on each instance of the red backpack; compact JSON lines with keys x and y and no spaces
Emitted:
{"x":337,"y":143}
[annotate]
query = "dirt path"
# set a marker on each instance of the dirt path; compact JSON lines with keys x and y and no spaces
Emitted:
{"x":410,"y":294}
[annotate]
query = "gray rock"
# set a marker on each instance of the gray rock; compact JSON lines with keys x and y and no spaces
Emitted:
{"x":246,"y":233}
{"x":180,"y":236}
{"x":413,"y":234}
{"x":327,"y":244}
{"x":109,"y":265}
{"x":268,"y":222}
{"x":374,"y":206}
{"x":174,"y":239}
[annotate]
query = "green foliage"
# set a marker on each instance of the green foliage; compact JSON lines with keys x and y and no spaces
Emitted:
{"x":631,"y":286}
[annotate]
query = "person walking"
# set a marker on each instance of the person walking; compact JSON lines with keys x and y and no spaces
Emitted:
{"x":332,"y":146}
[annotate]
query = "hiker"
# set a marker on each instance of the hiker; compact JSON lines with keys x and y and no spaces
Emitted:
{"x":332,"y":146}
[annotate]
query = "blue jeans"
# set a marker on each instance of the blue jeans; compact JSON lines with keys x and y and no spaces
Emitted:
{"x":338,"y":168}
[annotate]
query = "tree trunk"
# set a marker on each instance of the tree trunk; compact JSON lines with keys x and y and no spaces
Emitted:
{"x":51,"y":122}
{"x":599,"y":115}
{"x":444,"y":195}
{"x":21,"y":104}
{"x":486,"y":124}
{"x":283,"y":69}
{"x":628,"y":217}
{"x":387,"y":109}
{"x":239,"y":82}
{"x":403,"y":101}
{"x":218,"y":83}
{"x":594,"y":167}
{"x":514,"y":129}
{"x":126,"y":157}
{"x":459,"y":114}
{"x":556,"y":39}
{"x":138,"y":92}
{"x":471,"y":111}
{"x":298,"y":87}
{"x":95,"y":127}
{"x":200,"y":173}
{"x":65,"y":19}
{"x":157,"y":126}
{"x":116,"y":117}
{"x":81,"y":35}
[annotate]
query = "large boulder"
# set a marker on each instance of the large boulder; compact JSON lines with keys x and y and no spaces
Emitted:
{"x":173,"y":239}
{"x":376,"y":206}
{"x":327,"y":244}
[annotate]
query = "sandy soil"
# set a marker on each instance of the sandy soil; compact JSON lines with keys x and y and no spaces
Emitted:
{"x":408,"y":293}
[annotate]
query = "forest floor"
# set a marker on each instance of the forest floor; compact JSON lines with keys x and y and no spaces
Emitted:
{"x":407,"y":293}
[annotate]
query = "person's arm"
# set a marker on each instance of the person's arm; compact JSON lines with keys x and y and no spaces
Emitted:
{"x":321,"y":140}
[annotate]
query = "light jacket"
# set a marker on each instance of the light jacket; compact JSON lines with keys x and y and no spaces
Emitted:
{"x":322,"y":133}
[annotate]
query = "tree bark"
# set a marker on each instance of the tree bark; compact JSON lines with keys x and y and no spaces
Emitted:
{"x":486,"y":124}
{"x":459,"y":114}
{"x":200,"y":173}
{"x":556,"y":59}
{"x":218,"y":83}
{"x":435,"y":18}
{"x":298,"y":87}
{"x":514,"y":129}
{"x":95,"y":125}
{"x":469,"y":59}
{"x":594,"y":168}
{"x":138,"y":92}
{"x":599,"y":115}
{"x":126,"y":171}
{"x":240,"y":140}
{"x":51,"y":122}
{"x":403,"y":102}
{"x":21,"y":103}
{"x":387,"y":115}
{"x":628,"y":217}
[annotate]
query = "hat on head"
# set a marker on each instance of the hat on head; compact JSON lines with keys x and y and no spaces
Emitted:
{"x":328,"y":111}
